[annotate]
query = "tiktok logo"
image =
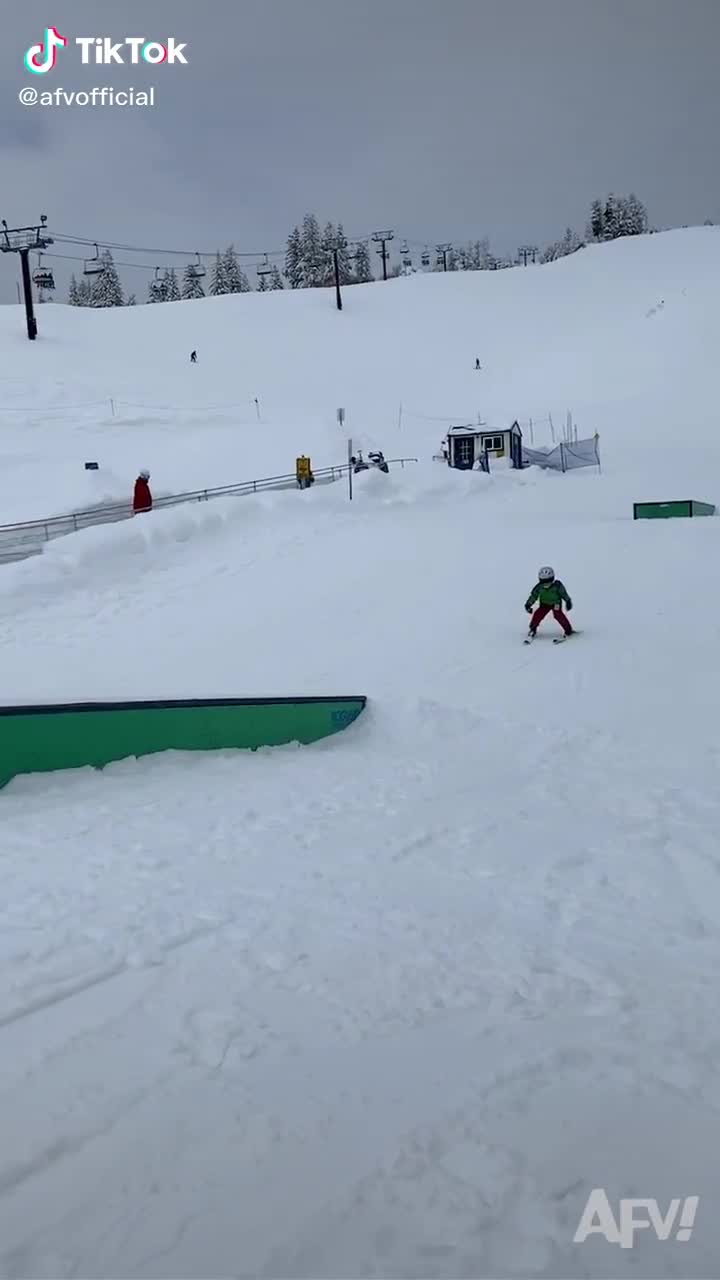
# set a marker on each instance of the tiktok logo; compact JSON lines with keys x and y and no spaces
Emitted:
{"x":41,"y":57}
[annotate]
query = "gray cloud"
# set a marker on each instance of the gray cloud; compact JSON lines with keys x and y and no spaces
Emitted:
{"x":445,"y":120}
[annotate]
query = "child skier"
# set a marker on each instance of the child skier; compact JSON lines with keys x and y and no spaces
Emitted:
{"x":548,"y":594}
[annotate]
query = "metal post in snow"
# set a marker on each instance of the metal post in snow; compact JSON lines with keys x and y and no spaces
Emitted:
{"x":336,"y":266}
{"x":257,"y":409}
{"x":400,"y":416}
{"x":350,"y":467}
{"x":112,"y":407}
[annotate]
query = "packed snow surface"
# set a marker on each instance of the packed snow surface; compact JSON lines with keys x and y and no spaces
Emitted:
{"x":394,"y":1004}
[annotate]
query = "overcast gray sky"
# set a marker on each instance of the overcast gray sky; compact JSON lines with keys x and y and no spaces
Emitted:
{"x":443,"y":119}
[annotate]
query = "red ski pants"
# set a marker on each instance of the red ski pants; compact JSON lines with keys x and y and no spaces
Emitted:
{"x":543,"y":610}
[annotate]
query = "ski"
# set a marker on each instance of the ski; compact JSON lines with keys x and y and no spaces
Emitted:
{"x":556,"y":640}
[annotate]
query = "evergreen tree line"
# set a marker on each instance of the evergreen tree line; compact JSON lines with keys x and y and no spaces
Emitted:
{"x":310,"y":256}
{"x":310,"y":260}
{"x":617,"y":216}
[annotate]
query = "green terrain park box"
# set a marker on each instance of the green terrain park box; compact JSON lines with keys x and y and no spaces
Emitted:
{"x":668,"y":510}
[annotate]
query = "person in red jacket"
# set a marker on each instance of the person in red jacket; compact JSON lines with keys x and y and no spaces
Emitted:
{"x":142,"y":497}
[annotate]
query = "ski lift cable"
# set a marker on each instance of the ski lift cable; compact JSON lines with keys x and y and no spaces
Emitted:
{"x":180,"y":253}
{"x":117,"y":262}
{"x":261,"y":256}
{"x":64,"y":238}
{"x":72,"y":257}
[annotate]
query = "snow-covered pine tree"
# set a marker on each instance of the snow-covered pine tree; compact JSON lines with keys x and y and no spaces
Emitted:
{"x":636,"y":216}
{"x":73,"y":293}
{"x":293,"y":259}
{"x":131,"y":300}
{"x":312,"y":253}
{"x":106,"y":288}
{"x":612,"y":218}
{"x":473,"y":256}
{"x":218,"y":283}
{"x":84,"y":293}
{"x":275,"y":279}
{"x":172,"y":288}
{"x":467,"y":256}
{"x":597,"y":220}
{"x":345,"y":263}
{"x":191,"y":286}
{"x":562,"y":248}
{"x":235,"y":279}
{"x":328,"y":243}
{"x":570,"y":243}
{"x":362,"y":269}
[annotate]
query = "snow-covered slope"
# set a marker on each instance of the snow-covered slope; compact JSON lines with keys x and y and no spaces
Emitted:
{"x":391,"y":1005}
{"x":623,"y":335}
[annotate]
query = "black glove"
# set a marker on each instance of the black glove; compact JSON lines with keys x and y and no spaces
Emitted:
{"x":528,"y":608}
{"x":568,"y":605}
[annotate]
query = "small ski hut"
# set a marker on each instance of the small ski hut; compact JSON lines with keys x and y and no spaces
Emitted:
{"x":469,"y":446}
{"x":504,"y":444}
{"x":464,"y":450}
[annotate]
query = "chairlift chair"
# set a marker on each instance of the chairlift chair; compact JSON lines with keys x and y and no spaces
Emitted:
{"x":93,"y":266}
{"x":425,"y":259}
{"x":43,"y":278}
{"x":156,"y":284}
{"x":196,"y":270}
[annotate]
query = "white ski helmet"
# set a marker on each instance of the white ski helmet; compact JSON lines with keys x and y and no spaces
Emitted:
{"x":144,"y":475}
{"x":546,"y":574}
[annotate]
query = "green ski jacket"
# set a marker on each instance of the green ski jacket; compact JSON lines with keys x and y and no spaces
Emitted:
{"x":552,"y":594}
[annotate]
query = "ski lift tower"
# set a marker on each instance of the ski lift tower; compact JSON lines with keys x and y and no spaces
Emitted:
{"x":383,"y":238}
{"x":22,"y":240}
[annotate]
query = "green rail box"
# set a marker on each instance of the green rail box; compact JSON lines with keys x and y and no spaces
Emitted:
{"x":669,"y":510}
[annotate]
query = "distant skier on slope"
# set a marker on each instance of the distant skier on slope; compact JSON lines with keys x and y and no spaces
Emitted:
{"x":193,"y":357}
{"x":549,"y":595}
{"x":142,"y":497}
